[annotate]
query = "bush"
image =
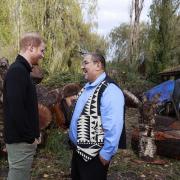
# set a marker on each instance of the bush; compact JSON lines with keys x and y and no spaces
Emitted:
{"x":60,"y":79}
{"x":57,"y":143}
{"x":128,"y":78}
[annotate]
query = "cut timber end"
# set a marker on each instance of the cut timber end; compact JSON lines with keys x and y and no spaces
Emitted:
{"x":167,"y":139}
{"x":45,"y":116}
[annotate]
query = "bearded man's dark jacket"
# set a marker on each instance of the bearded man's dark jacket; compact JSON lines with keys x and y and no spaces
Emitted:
{"x":21,"y":120}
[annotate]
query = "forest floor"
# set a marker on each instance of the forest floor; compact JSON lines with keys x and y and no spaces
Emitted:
{"x":124,"y":166}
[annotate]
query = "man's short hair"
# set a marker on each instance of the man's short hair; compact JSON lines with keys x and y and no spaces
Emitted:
{"x":30,"y":38}
{"x":96,"y":57}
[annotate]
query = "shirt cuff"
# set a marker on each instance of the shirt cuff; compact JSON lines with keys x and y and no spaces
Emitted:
{"x":105,"y":155}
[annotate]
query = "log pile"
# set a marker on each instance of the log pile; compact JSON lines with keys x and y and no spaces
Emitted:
{"x":45,"y":100}
{"x":56,"y":104}
{"x":62,"y":109}
{"x":156,"y":135}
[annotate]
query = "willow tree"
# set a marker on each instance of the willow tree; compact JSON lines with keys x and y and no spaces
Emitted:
{"x":6,"y":34}
{"x":62,"y":25}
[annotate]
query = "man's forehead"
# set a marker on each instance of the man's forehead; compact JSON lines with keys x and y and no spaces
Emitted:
{"x":87,"y":57}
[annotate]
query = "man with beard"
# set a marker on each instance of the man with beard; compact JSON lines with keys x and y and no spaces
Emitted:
{"x":21,"y":123}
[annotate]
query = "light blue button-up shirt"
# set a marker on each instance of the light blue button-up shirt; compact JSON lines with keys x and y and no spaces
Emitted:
{"x":112,"y":110}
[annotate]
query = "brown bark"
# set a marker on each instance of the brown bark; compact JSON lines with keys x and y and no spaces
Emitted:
{"x":46,"y":97}
{"x":45,"y":116}
{"x":131,"y":100}
{"x":37,"y":74}
{"x":135,"y":12}
{"x":59,"y":115}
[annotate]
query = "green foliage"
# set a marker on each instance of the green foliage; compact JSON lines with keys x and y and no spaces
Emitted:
{"x":127,"y":78}
{"x":119,"y":41}
{"x":59,"y":79}
{"x":5,"y":30}
{"x":57,"y":143}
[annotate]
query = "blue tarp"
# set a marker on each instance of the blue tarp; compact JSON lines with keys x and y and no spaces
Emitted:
{"x":164,"y":89}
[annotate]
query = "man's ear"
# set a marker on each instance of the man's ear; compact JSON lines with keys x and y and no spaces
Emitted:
{"x":30,"y":47}
{"x":99,"y":65}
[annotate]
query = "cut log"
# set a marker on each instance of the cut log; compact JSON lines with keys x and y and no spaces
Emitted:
{"x":130,"y":99}
{"x":167,"y":138}
{"x":62,"y":108}
{"x":46,"y":97}
{"x":59,"y":115}
{"x":70,"y":89}
{"x":51,"y":103}
{"x":45,"y":116}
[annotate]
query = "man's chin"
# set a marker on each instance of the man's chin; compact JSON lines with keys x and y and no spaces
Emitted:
{"x":85,"y":77}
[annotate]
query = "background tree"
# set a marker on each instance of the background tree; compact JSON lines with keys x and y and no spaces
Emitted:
{"x":135,"y":12}
{"x":163,"y":35}
{"x":157,"y":42}
{"x":119,"y":41}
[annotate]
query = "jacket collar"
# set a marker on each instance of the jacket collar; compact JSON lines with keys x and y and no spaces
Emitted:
{"x":97,"y":81}
{"x":23,"y":61}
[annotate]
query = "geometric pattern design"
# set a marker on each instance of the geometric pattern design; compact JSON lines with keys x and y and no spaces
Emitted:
{"x":90,"y":135}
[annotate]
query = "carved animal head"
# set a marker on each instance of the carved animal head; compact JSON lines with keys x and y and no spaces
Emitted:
{"x":4,"y":65}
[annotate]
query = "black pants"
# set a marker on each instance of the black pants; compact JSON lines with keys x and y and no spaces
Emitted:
{"x":91,"y":170}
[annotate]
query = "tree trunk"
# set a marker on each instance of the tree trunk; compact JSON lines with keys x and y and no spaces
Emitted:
{"x":135,"y":12}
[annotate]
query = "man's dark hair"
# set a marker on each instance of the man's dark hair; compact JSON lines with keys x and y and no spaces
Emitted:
{"x":96,"y":57}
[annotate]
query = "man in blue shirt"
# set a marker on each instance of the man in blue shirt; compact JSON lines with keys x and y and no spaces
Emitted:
{"x":97,"y":121}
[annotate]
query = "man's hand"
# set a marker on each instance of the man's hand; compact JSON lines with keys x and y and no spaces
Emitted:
{"x":37,"y":141}
{"x":103,"y":161}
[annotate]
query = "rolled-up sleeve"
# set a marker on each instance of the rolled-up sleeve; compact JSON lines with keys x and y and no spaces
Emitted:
{"x":112,"y":114}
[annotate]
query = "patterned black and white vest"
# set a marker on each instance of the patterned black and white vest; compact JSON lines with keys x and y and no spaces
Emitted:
{"x":90,"y":135}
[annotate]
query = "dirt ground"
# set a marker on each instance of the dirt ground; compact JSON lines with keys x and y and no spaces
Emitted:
{"x":124,"y":166}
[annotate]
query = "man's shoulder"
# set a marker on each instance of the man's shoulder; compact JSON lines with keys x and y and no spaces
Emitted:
{"x":112,"y":87}
{"x":17,"y":66}
{"x":112,"y":83}
{"x":16,"y":69}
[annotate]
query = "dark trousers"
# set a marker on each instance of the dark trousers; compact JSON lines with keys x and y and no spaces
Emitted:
{"x":91,"y":170}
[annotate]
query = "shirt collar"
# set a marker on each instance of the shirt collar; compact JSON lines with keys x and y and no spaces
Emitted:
{"x":97,"y":81}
